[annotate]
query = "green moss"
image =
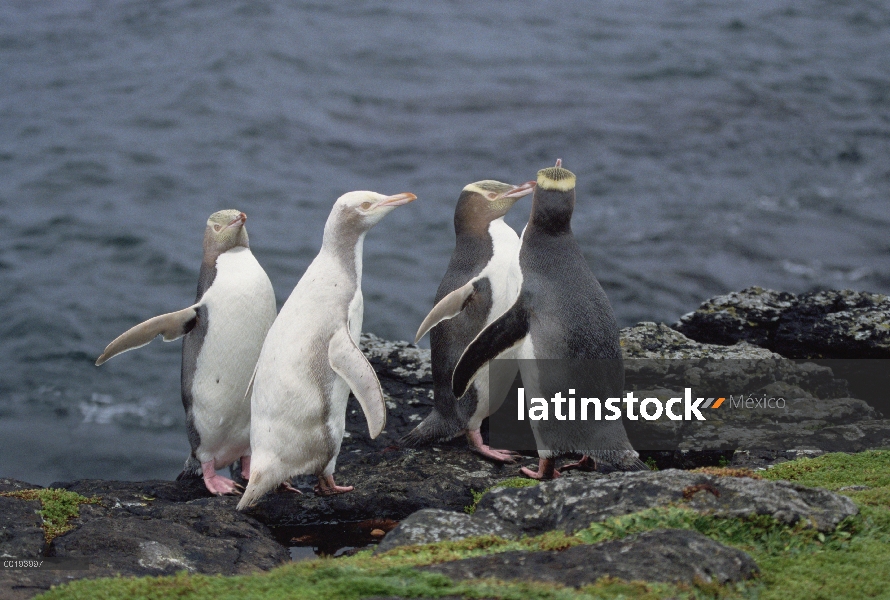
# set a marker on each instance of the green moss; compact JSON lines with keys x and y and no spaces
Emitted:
{"x":759,"y":533}
{"x":836,"y":471}
{"x":58,"y":507}
{"x":515,"y":482}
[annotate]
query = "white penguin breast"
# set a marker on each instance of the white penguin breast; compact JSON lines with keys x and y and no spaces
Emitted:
{"x":240,"y":307}
{"x":503,"y":269}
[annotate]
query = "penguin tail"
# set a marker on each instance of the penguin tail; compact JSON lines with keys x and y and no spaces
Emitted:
{"x":434,"y":428}
{"x":191,"y":469}
{"x":622,"y":460}
{"x":261,"y":480}
{"x":635,"y":465}
{"x":255,"y":490}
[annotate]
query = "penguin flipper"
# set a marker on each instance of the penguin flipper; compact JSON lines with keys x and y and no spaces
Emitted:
{"x":505,"y":332}
{"x":448,"y":307}
{"x":171,"y":326}
{"x":350,"y":363}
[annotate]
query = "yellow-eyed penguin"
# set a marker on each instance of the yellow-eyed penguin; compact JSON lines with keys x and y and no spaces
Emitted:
{"x":561,"y":312}
{"x":224,"y":331}
{"x":311,"y":360}
{"x":481,"y":282}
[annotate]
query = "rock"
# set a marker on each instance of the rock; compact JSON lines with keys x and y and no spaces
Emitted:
{"x":193,"y":530}
{"x":14,"y":485}
{"x":21,"y":531}
{"x":572,"y":504}
{"x":143,"y":528}
{"x":665,"y":555}
{"x":827,"y":324}
{"x":156,"y":537}
{"x":389,"y":485}
{"x":433,"y":525}
{"x":649,"y":340}
{"x":818,"y":413}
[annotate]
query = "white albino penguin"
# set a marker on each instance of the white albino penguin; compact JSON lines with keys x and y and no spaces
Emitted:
{"x":224,"y":331}
{"x":311,"y":360}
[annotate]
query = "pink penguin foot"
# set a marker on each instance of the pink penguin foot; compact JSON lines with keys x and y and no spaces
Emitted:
{"x":287,"y":487}
{"x":585,"y":464}
{"x":475,"y":440}
{"x":217,"y":484}
{"x":327,"y":487}
{"x":546,"y":470}
{"x":245,"y":468}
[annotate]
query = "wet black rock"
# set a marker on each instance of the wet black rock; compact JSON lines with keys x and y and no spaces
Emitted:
{"x":389,"y":485}
{"x":156,"y":527}
{"x":827,"y":324}
{"x":139,"y":528}
{"x":665,"y":555}
{"x":21,"y":532}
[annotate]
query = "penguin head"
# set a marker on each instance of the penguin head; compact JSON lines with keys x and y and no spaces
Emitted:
{"x":359,"y":211}
{"x":225,"y":230}
{"x":482,"y":202}
{"x":554,"y":199}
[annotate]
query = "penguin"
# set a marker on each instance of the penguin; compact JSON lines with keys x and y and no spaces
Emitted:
{"x":481,"y":282}
{"x":224,"y":331}
{"x":311,"y":359}
{"x":561,"y":312}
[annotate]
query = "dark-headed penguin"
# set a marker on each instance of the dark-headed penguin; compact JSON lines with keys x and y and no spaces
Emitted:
{"x":311,"y":359}
{"x":481,"y":282}
{"x":224,"y":331}
{"x":561,"y":313}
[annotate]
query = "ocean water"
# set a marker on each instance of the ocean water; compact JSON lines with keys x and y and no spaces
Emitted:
{"x":717,"y":145}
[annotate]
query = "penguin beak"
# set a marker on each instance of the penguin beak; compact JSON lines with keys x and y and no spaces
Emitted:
{"x":519,"y":191}
{"x":397,"y":200}
{"x":237,"y":221}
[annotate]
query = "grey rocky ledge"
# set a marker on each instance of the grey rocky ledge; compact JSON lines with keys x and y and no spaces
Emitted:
{"x":827,"y":324}
{"x":573,"y":503}
{"x":160,"y":527}
{"x":665,"y":555}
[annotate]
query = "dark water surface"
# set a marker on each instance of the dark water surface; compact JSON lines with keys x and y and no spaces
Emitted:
{"x":717,"y":145}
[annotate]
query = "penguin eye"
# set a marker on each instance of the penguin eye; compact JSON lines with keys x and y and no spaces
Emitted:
{"x":492,"y":195}
{"x":366,"y":205}
{"x":217,"y":228}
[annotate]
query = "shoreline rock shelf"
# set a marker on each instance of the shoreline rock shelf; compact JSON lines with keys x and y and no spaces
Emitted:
{"x":162,"y":527}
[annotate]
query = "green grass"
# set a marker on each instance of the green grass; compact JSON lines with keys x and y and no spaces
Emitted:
{"x":796,"y":562}
{"x":861,"y":567}
{"x":58,"y":507}
{"x":325,"y":580}
{"x":834,"y":471}
{"x":515,"y":482}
